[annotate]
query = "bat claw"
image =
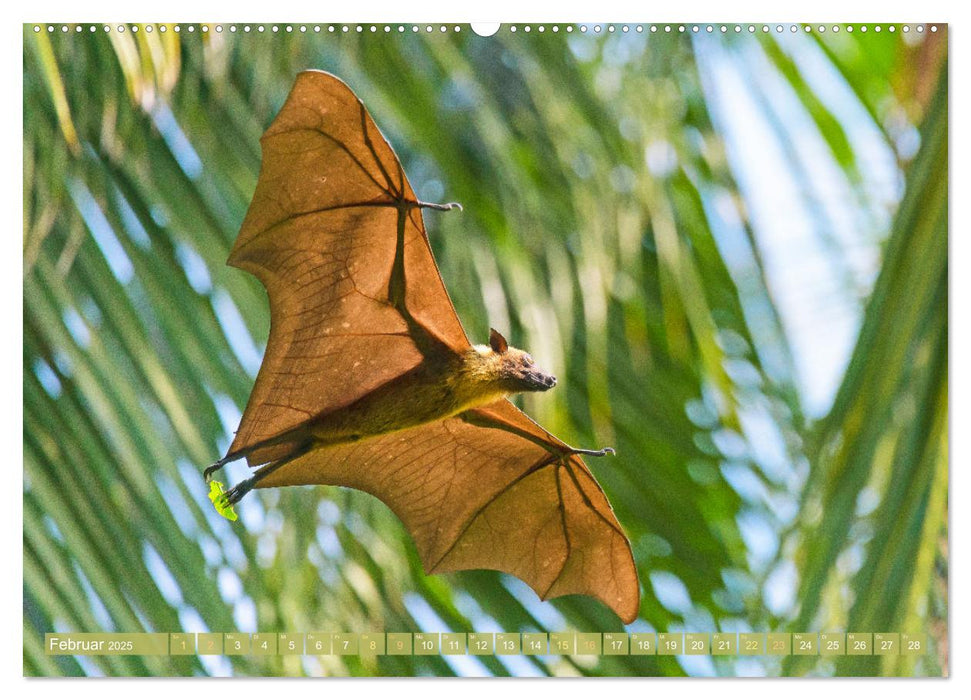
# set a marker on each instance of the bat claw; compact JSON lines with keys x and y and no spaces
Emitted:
{"x":235,"y":494}
{"x":595,"y":453}
{"x":216,"y":466}
{"x":440,"y":207}
{"x":210,"y":470}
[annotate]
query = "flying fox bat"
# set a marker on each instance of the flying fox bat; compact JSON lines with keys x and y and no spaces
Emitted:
{"x":370,"y":382}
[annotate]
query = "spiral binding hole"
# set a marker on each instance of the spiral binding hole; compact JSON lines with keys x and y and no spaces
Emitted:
{"x":594,"y":29}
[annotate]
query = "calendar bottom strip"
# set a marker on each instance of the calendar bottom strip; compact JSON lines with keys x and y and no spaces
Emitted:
{"x":487,"y":644}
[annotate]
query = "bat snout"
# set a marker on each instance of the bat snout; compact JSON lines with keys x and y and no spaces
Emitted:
{"x":539,"y":381}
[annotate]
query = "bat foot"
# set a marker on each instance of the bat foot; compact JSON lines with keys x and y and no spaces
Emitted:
{"x":212,"y":469}
{"x":235,"y":494}
{"x":595,"y":453}
{"x":215,"y":467}
{"x":440,"y":207}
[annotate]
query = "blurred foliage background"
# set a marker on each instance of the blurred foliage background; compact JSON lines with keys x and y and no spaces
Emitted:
{"x":756,"y":320}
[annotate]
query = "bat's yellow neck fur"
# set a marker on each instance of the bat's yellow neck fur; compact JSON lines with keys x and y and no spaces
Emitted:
{"x":480,"y":378}
{"x":487,"y":373}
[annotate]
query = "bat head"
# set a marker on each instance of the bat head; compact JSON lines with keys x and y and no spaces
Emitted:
{"x":517,"y":371}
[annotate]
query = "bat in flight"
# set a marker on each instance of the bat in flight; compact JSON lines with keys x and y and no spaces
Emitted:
{"x":370,"y":382}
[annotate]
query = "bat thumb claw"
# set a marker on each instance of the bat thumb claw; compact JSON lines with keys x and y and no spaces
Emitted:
{"x":440,"y":207}
{"x":596,"y":453}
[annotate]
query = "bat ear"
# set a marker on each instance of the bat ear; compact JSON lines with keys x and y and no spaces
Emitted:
{"x":497,"y":342}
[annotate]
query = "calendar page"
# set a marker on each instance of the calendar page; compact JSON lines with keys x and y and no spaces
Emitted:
{"x":537,"y":349}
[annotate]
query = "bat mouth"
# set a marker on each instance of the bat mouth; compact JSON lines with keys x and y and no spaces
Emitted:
{"x":537,"y":381}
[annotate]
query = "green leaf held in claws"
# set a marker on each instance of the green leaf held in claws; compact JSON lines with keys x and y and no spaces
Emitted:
{"x":218,"y":498}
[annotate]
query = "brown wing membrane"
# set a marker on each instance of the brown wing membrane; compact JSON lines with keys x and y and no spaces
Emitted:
{"x":322,"y":234}
{"x":489,"y":489}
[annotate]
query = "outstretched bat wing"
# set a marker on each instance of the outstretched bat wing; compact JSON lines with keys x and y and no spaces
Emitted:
{"x":335,"y":234}
{"x":489,"y":489}
{"x":331,"y":231}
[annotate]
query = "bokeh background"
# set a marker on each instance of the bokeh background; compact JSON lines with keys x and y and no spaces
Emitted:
{"x":730,"y":246}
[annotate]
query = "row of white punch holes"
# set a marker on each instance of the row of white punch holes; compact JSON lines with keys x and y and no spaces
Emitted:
{"x":428,"y":28}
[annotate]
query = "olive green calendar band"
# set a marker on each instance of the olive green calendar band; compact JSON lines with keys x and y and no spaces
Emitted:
{"x":488,"y":643}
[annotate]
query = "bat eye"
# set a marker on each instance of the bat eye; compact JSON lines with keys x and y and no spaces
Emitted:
{"x":528,"y":360}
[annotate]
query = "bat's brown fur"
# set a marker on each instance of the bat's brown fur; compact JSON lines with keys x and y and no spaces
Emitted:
{"x":432,"y":391}
{"x":478,"y":377}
